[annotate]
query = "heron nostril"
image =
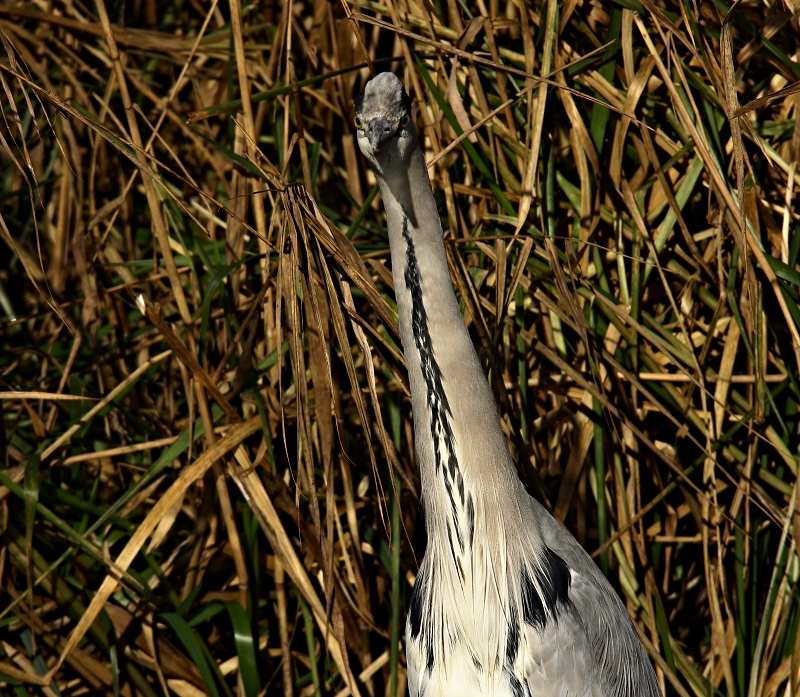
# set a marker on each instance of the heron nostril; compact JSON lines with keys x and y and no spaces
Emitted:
{"x":380,"y":132}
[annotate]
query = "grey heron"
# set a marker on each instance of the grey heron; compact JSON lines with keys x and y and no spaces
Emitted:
{"x":506,"y":602}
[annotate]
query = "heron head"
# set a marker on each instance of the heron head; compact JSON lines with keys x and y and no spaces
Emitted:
{"x":383,"y":117}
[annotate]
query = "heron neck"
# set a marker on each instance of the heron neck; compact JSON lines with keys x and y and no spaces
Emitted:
{"x":457,"y":429}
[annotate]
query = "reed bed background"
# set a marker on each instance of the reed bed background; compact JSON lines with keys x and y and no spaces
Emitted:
{"x":208,"y":484}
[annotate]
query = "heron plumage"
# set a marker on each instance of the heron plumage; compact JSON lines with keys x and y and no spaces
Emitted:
{"x":506,"y":601}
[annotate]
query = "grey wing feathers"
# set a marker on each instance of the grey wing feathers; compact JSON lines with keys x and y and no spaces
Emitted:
{"x":606,"y":646}
{"x":556,"y":660}
{"x":567,"y":658}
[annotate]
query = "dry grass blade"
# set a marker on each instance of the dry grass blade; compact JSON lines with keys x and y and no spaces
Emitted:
{"x":268,"y":517}
{"x":197,"y":469}
{"x":103,"y":403}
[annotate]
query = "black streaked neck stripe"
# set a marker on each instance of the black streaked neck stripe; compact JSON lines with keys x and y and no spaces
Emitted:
{"x":441,"y":430}
{"x":442,"y":436}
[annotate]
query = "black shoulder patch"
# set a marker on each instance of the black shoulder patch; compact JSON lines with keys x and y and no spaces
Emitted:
{"x":532,"y":607}
{"x":553,"y":578}
{"x":418,"y":594}
{"x":515,"y":685}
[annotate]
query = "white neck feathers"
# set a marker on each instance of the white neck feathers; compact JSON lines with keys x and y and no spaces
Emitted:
{"x":461,"y":448}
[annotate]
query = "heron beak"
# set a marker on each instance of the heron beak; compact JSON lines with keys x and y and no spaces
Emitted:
{"x":380,"y":133}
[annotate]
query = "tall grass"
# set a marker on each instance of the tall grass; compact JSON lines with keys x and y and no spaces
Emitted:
{"x":207,"y":479}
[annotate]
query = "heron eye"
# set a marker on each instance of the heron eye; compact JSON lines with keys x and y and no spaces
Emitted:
{"x":404,"y":121}
{"x":359,"y":123}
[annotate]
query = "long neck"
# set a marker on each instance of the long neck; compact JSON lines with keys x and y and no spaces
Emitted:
{"x":462,"y":452}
